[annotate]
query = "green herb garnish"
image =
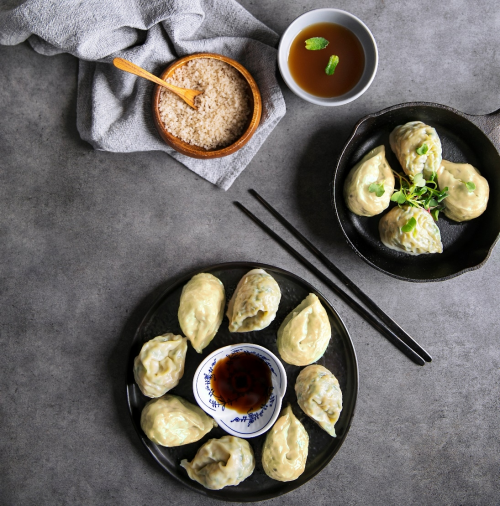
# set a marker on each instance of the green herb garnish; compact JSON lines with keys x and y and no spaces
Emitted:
{"x":416,"y":191}
{"x":316,"y":43}
{"x":378,"y":189}
{"x":332,"y":65}
{"x":470,"y":185}
{"x":422,"y":150}
{"x":399,"y":197}
{"x":410,"y":225}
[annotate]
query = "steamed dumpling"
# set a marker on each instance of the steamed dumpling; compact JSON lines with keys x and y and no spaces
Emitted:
{"x":424,"y":238}
{"x":201,"y":309}
{"x":319,"y":396}
{"x":221,"y":463}
{"x":160,"y":364}
{"x":285,"y":450}
{"x":373,"y":168}
{"x":406,"y":139}
{"x":305,"y":333}
{"x":254,"y":303}
{"x":173,"y":421}
{"x":461,"y":203}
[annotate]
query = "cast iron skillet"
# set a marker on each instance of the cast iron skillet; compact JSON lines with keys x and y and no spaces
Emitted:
{"x":465,"y":138}
{"x":340,"y":358}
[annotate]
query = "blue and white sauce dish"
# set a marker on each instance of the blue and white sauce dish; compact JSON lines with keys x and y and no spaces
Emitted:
{"x":245,"y":425}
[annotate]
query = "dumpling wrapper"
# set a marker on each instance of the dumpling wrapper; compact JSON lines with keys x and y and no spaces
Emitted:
{"x":160,"y":364}
{"x":462,"y":204}
{"x":406,"y":139}
{"x":305,"y":333}
{"x":286,"y":447}
{"x":201,"y":309}
{"x":254,"y":303}
{"x":221,"y":463}
{"x":424,"y":238}
{"x":319,"y":396}
{"x":372,"y":168}
{"x":172,"y":421}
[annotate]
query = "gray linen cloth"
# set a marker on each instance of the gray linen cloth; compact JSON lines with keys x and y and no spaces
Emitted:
{"x":113,"y":107}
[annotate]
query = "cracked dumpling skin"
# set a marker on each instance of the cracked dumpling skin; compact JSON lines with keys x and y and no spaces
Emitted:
{"x":462,"y":204}
{"x":172,"y":421}
{"x":424,"y":238}
{"x":201,"y":309}
{"x":160,"y":364}
{"x":221,"y":463}
{"x":305,"y":333}
{"x":285,"y":450}
{"x":406,"y":139}
{"x":372,"y":168}
{"x":254,"y":303}
{"x":319,"y":396}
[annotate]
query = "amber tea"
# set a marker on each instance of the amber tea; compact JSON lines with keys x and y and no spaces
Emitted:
{"x":307,"y":67}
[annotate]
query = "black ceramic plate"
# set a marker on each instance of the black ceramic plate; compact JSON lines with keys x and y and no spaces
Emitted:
{"x":340,"y":359}
{"x":467,"y":245}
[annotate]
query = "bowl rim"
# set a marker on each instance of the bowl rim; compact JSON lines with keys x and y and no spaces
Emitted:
{"x":279,"y":395}
{"x":296,"y":89}
{"x":196,"y":151}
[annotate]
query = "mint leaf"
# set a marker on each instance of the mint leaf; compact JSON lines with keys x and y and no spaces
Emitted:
{"x":332,"y":65}
{"x":422,"y":150}
{"x":398,"y":197}
{"x":378,"y":189}
{"x":410,"y":225}
{"x":470,"y":186}
{"x":316,"y":43}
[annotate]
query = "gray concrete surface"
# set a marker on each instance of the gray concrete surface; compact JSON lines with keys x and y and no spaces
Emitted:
{"x":88,"y":237}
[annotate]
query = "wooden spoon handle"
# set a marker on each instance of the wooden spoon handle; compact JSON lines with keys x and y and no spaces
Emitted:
{"x":132,"y":68}
{"x":187,"y":95}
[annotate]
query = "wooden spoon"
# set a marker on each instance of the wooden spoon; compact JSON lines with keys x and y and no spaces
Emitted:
{"x":187,"y":95}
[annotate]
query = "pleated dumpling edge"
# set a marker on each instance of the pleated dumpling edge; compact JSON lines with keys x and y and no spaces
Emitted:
{"x":254,"y":303}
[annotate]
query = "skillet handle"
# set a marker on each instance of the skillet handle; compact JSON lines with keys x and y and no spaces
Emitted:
{"x":490,"y":125}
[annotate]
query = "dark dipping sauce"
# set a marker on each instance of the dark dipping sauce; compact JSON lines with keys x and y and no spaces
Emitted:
{"x":308,"y":67}
{"x":242,"y":381}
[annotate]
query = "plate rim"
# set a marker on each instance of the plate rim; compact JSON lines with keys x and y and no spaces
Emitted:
{"x":215,"y":494}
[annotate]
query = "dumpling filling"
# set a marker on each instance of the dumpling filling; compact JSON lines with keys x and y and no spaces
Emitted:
{"x":254,"y":303}
{"x":417,"y":147}
{"x":424,"y":236}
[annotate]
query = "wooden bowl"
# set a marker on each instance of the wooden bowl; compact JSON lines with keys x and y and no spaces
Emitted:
{"x":196,"y":151}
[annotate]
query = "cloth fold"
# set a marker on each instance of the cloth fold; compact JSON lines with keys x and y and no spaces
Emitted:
{"x":113,"y":107}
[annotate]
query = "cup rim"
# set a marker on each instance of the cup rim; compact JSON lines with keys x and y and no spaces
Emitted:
{"x":296,"y":89}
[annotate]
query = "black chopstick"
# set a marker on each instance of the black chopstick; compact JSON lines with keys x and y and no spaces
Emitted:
{"x":377,"y":324}
{"x":401,"y":333}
